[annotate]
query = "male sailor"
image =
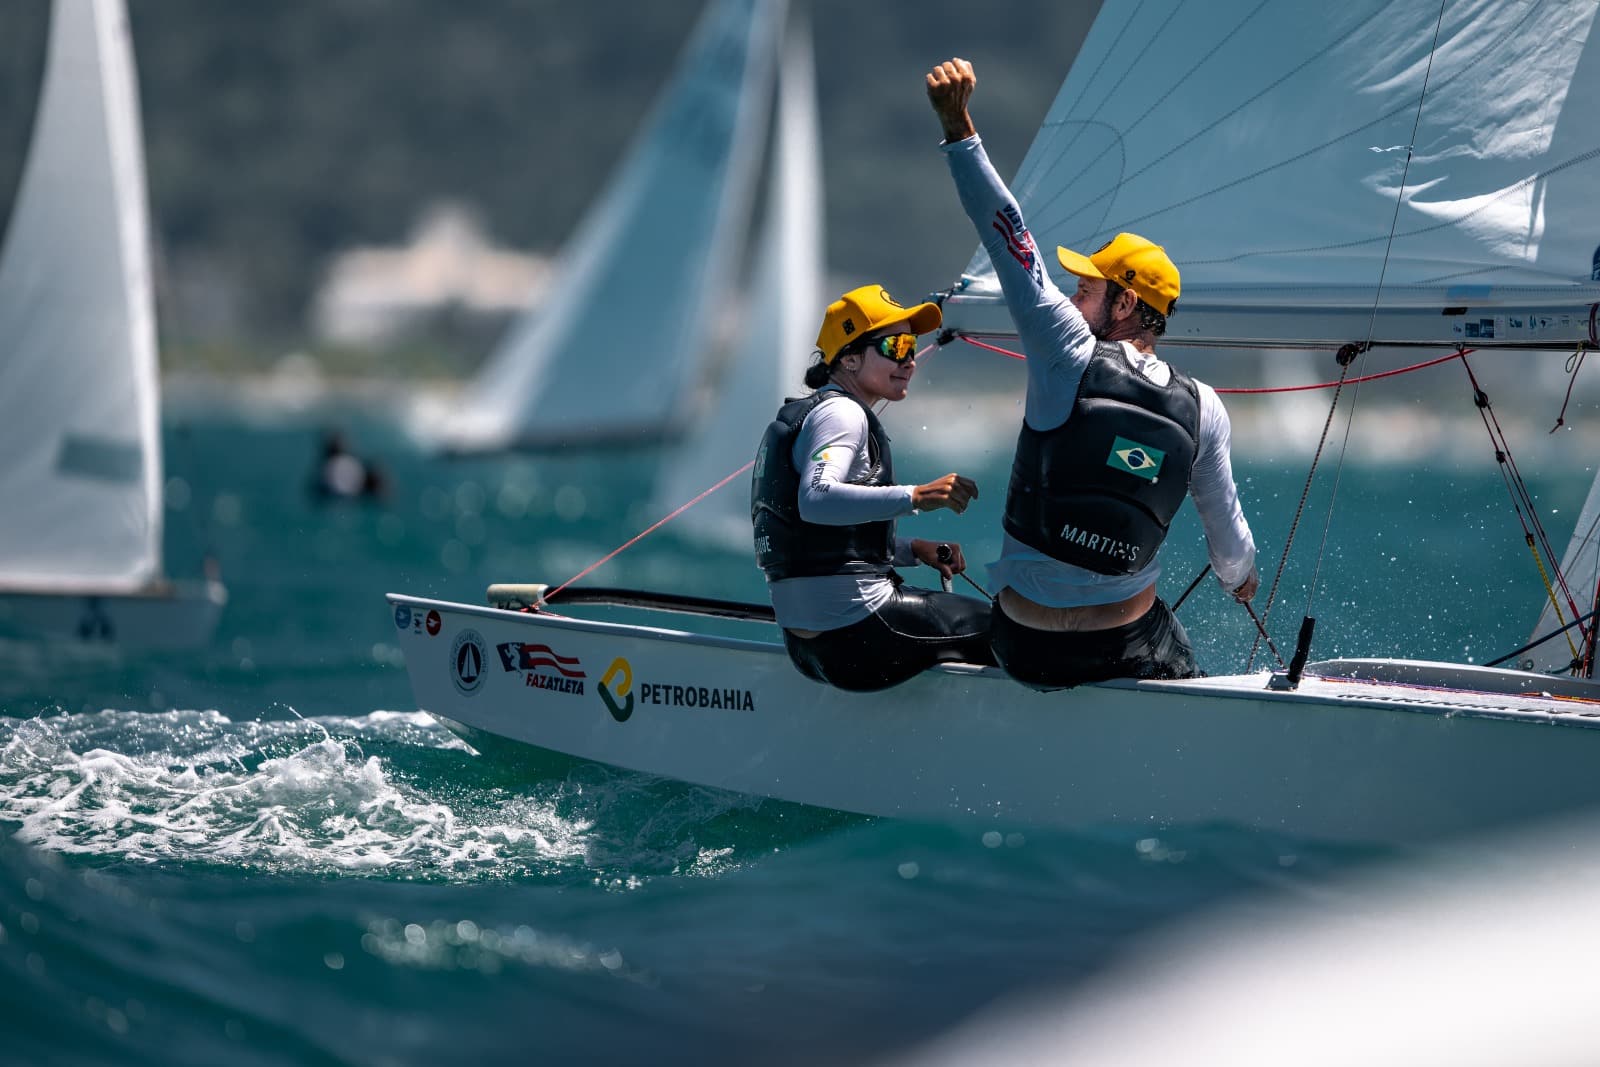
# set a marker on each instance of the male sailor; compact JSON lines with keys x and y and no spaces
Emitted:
{"x":1112,"y":439}
{"x":823,"y":505}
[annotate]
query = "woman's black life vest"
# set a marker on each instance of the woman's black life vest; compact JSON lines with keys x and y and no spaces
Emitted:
{"x":1100,"y":490}
{"x":786,"y":545}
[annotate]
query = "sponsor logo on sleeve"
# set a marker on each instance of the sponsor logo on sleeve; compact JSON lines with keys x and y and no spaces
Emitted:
{"x":1018,"y":241}
{"x":468,"y":654}
{"x":542,"y":667}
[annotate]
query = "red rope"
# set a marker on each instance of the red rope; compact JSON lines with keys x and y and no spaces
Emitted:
{"x":648,"y":529}
{"x":1275,"y":389}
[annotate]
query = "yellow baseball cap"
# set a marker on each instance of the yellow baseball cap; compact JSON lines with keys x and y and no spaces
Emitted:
{"x":861,"y":311}
{"x":1133,"y":263}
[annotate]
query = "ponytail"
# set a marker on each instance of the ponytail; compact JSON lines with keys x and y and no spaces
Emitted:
{"x":819,"y":373}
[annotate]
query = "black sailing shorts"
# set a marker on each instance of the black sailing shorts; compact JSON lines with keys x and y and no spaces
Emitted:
{"x":1155,"y":645}
{"x":912,"y":631}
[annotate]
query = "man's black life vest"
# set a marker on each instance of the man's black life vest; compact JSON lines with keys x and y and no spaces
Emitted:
{"x":1100,"y":490}
{"x":786,"y":545}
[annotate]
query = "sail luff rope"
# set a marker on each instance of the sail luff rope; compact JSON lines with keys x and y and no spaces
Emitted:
{"x":1372,"y":322}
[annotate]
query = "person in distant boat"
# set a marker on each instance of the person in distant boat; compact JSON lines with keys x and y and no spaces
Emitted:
{"x":341,"y":475}
{"x":1112,"y":440}
{"x":824,"y":503}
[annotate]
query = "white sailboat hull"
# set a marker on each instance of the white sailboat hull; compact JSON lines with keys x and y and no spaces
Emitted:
{"x":167,"y":616}
{"x":1435,"y":750}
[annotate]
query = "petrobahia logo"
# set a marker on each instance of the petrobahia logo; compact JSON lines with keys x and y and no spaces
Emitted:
{"x":467,"y":656}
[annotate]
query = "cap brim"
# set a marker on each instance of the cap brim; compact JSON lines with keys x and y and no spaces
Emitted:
{"x":924,"y":318}
{"x":1073,"y":263}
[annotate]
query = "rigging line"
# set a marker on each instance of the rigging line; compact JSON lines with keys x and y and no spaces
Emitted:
{"x":1192,"y":587}
{"x":1372,"y":321}
{"x":1261,"y":632}
{"x":1536,"y":642}
{"x":636,"y":538}
{"x":1574,"y":365}
{"x":1457,"y":354}
{"x":1294,"y":525}
{"x":1521,"y":499}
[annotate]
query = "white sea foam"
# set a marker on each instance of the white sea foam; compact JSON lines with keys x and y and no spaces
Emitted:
{"x":285,"y":795}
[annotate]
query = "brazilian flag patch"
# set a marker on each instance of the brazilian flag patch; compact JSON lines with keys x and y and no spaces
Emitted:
{"x":1135,"y":458}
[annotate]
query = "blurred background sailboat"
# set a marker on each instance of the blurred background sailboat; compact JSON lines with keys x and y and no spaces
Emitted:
{"x":777,"y":329}
{"x":609,"y":354}
{"x":80,"y":419}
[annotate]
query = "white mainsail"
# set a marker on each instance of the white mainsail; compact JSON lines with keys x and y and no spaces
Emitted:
{"x":79,"y":420}
{"x":618,"y":336}
{"x":777,"y":329}
{"x":1264,"y":145}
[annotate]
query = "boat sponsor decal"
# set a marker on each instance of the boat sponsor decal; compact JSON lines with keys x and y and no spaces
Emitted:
{"x":416,"y":621}
{"x":619,"y":693}
{"x":1594,"y":266}
{"x":542,"y":667}
{"x":1099,"y":543}
{"x":1019,"y":242}
{"x":610,"y":688}
{"x":468,"y":655}
{"x":1139,"y":460}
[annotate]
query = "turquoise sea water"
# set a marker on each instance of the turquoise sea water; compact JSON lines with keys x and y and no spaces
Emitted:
{"x":261,"y":852}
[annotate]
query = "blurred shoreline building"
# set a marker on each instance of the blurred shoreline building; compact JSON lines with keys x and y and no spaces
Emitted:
{"x":450,"y":275}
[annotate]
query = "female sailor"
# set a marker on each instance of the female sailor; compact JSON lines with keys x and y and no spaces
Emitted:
{"x":824,"y":504}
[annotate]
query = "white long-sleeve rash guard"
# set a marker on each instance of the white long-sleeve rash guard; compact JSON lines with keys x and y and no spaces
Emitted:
{"x":830,"y":450}
{"x":1058,"y":344}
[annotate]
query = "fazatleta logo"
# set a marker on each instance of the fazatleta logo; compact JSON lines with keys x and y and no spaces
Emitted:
{"x":542,"y":667}
{"x":619,"y":694}
{"x":467,"y":656}
{"x":1137,"y":459}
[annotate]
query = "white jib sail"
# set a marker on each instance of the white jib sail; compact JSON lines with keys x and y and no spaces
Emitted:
{"x":1264,"y":145}
{"x":80,"y":460}
{"x":628,"y":321}
{"x":778,"y":327}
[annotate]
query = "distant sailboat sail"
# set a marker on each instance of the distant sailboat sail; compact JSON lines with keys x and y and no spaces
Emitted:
{"x":80,"y":420}
{"x":1264,"y":146}
{"x":778,"y":328}
{"x":607,"y":355}
{"x":80,"y":457}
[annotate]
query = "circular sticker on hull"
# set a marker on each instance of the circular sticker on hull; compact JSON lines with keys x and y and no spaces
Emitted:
{"x":468,"y":656}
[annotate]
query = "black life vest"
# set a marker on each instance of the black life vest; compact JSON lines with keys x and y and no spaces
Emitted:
{"x":1100,"y":490}
{"x":786,"y":545}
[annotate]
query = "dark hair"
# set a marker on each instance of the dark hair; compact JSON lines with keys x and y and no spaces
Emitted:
{"x":818,"y":374}
{"x":1149,"y":318}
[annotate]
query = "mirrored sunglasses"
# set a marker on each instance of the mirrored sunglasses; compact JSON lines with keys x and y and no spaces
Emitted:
{"x":897,"y":346}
